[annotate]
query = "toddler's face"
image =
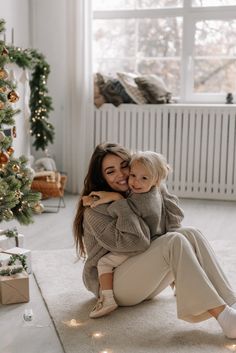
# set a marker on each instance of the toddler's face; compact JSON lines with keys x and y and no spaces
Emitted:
{"x":140,"y":179}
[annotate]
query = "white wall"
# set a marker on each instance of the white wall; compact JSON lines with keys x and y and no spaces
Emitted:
{"x":16,"y":15}
{"x":48,"y":18}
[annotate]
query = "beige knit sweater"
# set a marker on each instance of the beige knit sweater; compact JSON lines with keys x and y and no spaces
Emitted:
{"x":127,"y":226}
{"x":158,"y":209}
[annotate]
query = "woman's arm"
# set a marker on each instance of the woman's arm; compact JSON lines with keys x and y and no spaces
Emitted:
{"x":117,"y":228}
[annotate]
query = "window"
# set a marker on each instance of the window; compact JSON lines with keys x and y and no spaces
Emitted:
{"x":191,"y":44}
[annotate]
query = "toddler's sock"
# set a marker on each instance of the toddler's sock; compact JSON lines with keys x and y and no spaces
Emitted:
{"x":108,"y":295}
{"x":227,"y":321}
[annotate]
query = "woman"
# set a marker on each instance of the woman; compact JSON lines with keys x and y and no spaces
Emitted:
{"x":181,"y":255}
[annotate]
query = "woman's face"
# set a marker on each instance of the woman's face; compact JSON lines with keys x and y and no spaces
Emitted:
{"x":115,"y":171}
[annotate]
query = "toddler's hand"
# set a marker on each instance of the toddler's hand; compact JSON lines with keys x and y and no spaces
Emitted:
{"x":88,"y":200}
{"x":102,"y":197}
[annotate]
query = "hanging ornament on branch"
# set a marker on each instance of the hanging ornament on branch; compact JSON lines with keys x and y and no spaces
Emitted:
{"x":3,"y":74}
{"x":39,"y":208}
{"x":4,"y":157}
{"x":5,"y":51}
{"x":7,"y":214}
{"x":16,"y":168}
{"x":3,"y":89}
{"x":13,"y":96}
{"x":10,"y":150}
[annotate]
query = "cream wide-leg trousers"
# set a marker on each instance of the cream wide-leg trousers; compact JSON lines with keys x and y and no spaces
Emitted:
{"x":184,"y":256}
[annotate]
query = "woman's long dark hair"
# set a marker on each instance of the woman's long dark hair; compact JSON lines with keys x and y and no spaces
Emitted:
{"x":94,"y":181}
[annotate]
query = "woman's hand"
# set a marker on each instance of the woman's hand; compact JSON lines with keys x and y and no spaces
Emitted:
{"x":96,"y":198}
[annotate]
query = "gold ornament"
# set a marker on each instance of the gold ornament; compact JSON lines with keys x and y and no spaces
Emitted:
{"x":3,"y":74}
{"x":2,"y":105}
{"x":3,"y":89}
{"x":13,"y":96}
{"x":4,"y":158}
{"x":38,"y":208}
{"x":10,"y":150}
{"x":2,"y":167}
{"x":16,"y":168}
{"x":18,"y":194}
{"x":7,"y":214}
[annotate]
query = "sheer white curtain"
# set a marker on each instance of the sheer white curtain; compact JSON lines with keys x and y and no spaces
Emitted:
{"x":78,"y":123}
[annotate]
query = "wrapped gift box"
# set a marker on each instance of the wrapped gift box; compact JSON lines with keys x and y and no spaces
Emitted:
{"x":21,"y":251}
{"x":15,"y":288}
{"x":7,"y":243}
{"x":4,"y":258}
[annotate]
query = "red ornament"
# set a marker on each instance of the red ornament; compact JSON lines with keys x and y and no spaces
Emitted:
{"x":5,"y":51}
{"x":4,"y":157}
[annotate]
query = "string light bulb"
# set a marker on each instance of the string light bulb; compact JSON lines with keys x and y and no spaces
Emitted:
{"x":73,"y":323}
{"x":231,"y":347}
{"x":97,"y":335}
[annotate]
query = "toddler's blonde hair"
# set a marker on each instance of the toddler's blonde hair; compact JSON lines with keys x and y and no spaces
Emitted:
{"x":155,"y":163}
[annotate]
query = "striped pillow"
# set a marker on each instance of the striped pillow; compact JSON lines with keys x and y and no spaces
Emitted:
{"x":153,"y":89}
{"x":128,"y":82}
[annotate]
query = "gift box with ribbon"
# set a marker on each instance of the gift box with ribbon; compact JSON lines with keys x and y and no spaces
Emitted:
{"x":14,"y":285}
{"x":4,"y":259}
{"x":10,"y":238}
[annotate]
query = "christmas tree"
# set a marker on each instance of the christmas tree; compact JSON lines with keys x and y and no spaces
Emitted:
{"x":17,"y":200}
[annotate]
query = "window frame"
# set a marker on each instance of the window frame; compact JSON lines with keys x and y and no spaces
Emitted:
{"x":191,"y":15}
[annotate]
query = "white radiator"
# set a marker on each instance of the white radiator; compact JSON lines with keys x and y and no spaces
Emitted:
{"x":199,"y":143}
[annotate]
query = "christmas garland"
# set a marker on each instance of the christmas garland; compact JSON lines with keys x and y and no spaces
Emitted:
{"x":40,"y":103}
{"x":18,"y":258}
{"x":10,"y":270}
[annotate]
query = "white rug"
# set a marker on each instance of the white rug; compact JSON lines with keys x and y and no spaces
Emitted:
{"x":146,"y":328}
